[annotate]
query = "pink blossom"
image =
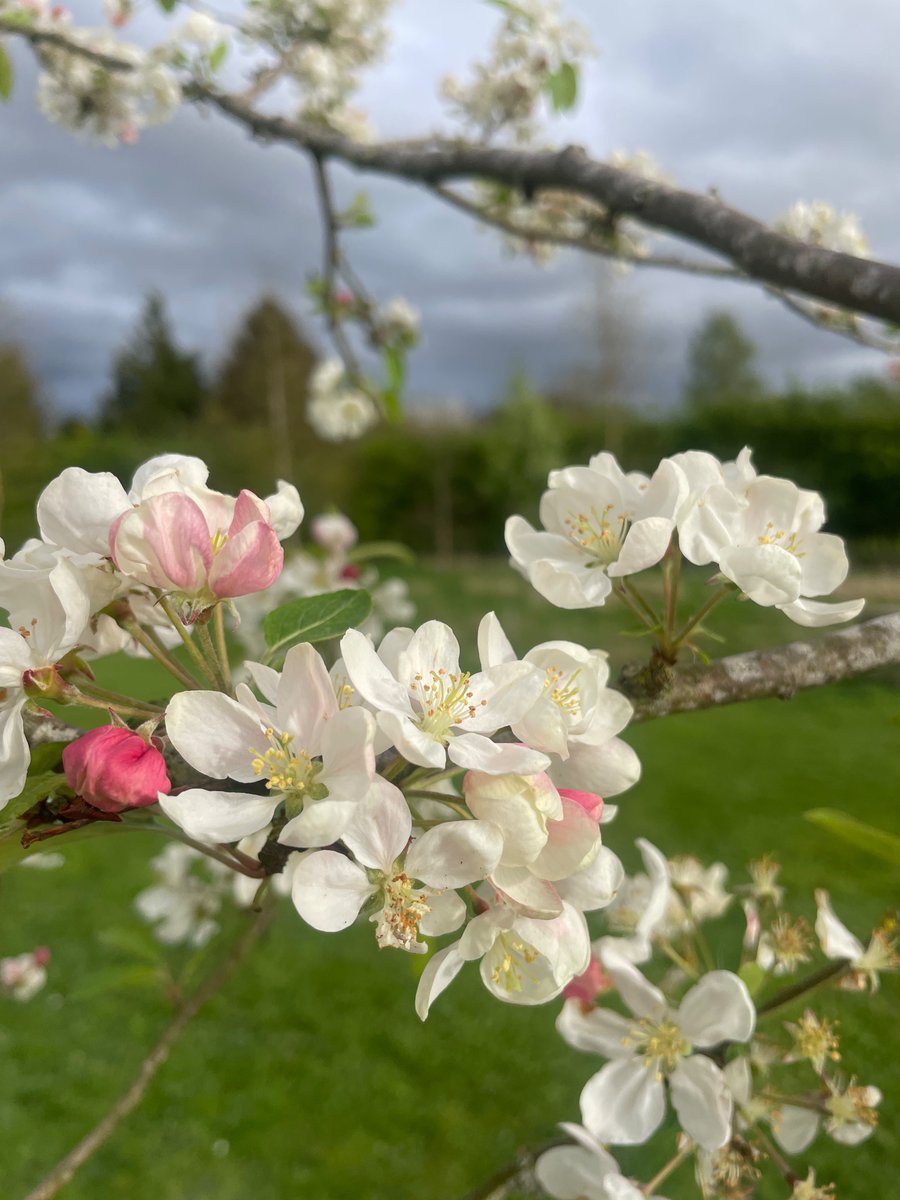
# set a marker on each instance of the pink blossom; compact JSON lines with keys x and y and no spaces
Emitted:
{"x":588,"y":986}
{"x":589,"y":801}
{"x":168,"y":541}
{"x":114,"y":769}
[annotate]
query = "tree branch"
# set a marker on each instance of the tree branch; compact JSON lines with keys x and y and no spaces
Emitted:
{"x":777,"y":672}
{"x":64,"y":1171}
{"x":861,"y":285}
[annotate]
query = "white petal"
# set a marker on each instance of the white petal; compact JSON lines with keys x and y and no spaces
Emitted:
{"x":321,"y":823}
{"x":595,"y":885}
{"x":572,"y":843}
{"x":15,"y":754}
{"x":285,"y":510}
{"x":370,"y":676}
{"x":380,"y":829}
{"x":834,"y":937}
{"x":767,"y":574}
{"x":600,"y":1031}
{"x":510,"y":690}
{"x":447,"y":911}
{"x":215,"y":734}
{"x":535,"y":896}
{"x":638,"y":993}
{"x":440,"y":971}
{"x":415,"y":745}
{"x":816,"y":613}
{"x":702,"y":1101}
{"x":478,"y":753}
{"x":605,"y":770}
{"x":795,"y":1128}
{"x":717,"y":1009}
{"x":617,"y":1187}
{"x":493,"y":645}
{"x":265,"y":678}
{"x":329,"y":890}
{"x":645,"y":544}
{"x":219,"y":816}
{"x":624,"y":1103}
{"x":306,"y":698}
{"x":570,"y":1173}
{"x":15,"y":658}
{"x":455,"y":854}
{"x":77,"y":508}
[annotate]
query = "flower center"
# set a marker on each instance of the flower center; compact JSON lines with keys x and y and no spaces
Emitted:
{"x":599,"y":534}
{"x":852,"y":1107}
{"x":661,"y":1043}
{"x":777,"y":537}
{"x":404,"y":907}
{"x":285,"y":769}
{"x":445,"y":699}
{"x":563,"y":690}
{"x":512,"y":959}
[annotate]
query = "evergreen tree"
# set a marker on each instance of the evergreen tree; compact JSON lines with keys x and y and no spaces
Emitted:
{"x":264,"y":379}
{"x":721,"y":365}
{"x":21,"y":407}
{"x":155,"y":384}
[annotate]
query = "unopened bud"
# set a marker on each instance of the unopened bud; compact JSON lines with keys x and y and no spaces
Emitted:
{"x":114,"y":769}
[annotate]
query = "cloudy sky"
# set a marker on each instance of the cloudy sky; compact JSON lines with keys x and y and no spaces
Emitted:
{"x":767,"y":102}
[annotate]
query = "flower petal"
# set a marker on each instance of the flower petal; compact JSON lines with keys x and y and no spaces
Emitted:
{"x":717,"y":1009}
{"x":329,"y":890}
{"x":215,"y":734}
{"x":478,"y":753}
{"x":370,"y":676}
{"x":599,"y":1031}
{"x":455,"y":854}
{"x":702,"y":1101}
{"x":624,"y":1103}
{"x":440,"y":971}
{"x":219,"y":816}
{"x":380,"y":829}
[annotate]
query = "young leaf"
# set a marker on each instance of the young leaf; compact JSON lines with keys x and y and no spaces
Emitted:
{"x":562,"y":87}
{"x":314,"y":619}
{"x":878,"y":842}
{"x":6,"y":74}
{"x":395,"y":369}
{"x":371,"y":550}
{"x":218,"y":56}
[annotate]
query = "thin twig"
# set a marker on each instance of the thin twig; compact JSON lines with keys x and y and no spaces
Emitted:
{"x":64,"y":1171}
{"x":830,"y":971}
{"x":331,"y":264}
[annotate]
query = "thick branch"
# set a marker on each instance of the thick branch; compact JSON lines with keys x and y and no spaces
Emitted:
{"x":757,"y":251}
{"x":64,"y":1171}
{"x":779,"y":672}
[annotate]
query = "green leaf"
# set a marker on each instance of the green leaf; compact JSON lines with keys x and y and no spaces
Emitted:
{"x":314,"y":619}
{"x":562,"y":87}
{"x":134,"y":943}
{"x":6,"y":74}
{"x":46,"y":756}
{"x":218,"y":56}
{"x":872,"y":840}
{"x":37,"y":787}
{"x":753,"y":975}
{"x":167,"y":5}
{"x":508,"y":6}
{"x":395,"y":369}
{"x":395,"y":550}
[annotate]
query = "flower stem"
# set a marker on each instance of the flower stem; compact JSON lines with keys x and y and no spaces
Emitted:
{"x":222,"y":646}
{"x":118,"y":700}
{"x":157,"y":650}
{"x":620,"y":590}
{"x":441,"y":798}
{"x":664,"y":1173}
{"x":702,"y":612}
{"x":679,"y":960}
{"x":671,"y":578}
{"x":124,"y":707}
{"x":831,"y":970}
{"x":166,"y":605}
{"x":204,"y":637}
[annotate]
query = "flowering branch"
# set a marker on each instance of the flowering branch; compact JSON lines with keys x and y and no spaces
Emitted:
{"x":64,"y":1171}
{"x":778,"y":672}
{"x":755,"y":250}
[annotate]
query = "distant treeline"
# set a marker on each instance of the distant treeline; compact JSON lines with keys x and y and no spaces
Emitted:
{"x":447,"y":487}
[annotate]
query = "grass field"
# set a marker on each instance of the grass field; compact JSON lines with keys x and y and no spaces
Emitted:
{"x":310,"y":1076}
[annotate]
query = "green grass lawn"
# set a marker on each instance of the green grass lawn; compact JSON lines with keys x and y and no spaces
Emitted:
{"x":311,"y":1076}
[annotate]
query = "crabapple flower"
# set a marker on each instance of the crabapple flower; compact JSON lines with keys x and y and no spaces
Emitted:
{"x":584,"y":1171}
{"x":766,"y":539}
{"x":641,"y":908}
{"x":337,"y":411}
{"x":431,"y":709}
{"x":836,"y":940}
{"x":334,"y":532}
{"x":329,"y":889}
{"x":625,"y":1102}
{"x":183,"y":904}
{"x":314,"y":758}
{"x":849,"y":1116}
{"x":169,"y":542}
{"x":575,"y":718}
{"x":115,"y":769}
{"x":24,"y":975}
{"x":599,"y":524}
{"x":525,"y":960}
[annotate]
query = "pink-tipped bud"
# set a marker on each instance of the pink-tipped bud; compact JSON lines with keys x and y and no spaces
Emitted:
{"x":41,"y":956}
{"x":589,"y":801}
{"x":588,"y":986}
{"x":114,"y":769}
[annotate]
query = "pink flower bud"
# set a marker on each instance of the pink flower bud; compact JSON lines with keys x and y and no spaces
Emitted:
{"x":589,"y":801}
{"x":588,"y":986}
{"x":114,"y":769}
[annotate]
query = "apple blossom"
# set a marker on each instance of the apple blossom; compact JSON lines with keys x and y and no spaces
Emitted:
{"x":431,"y":709}
{"x":584,"y":1170}
{"x":23,"y":976}
{"x":848,"y":1115}
{"x":183,"y":904}
{"x":599,"y":524}
{"x":836,"y":940}
{"x":624,"y":1103}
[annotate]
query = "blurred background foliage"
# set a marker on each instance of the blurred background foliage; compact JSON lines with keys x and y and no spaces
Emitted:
{"x":444,"y":482}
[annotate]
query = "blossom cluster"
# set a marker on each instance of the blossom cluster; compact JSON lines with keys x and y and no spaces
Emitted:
{"x":712,"y":1042}
{"x":337,"y":410}
{"x":762,"y":533}
{"x":532,"y":42}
